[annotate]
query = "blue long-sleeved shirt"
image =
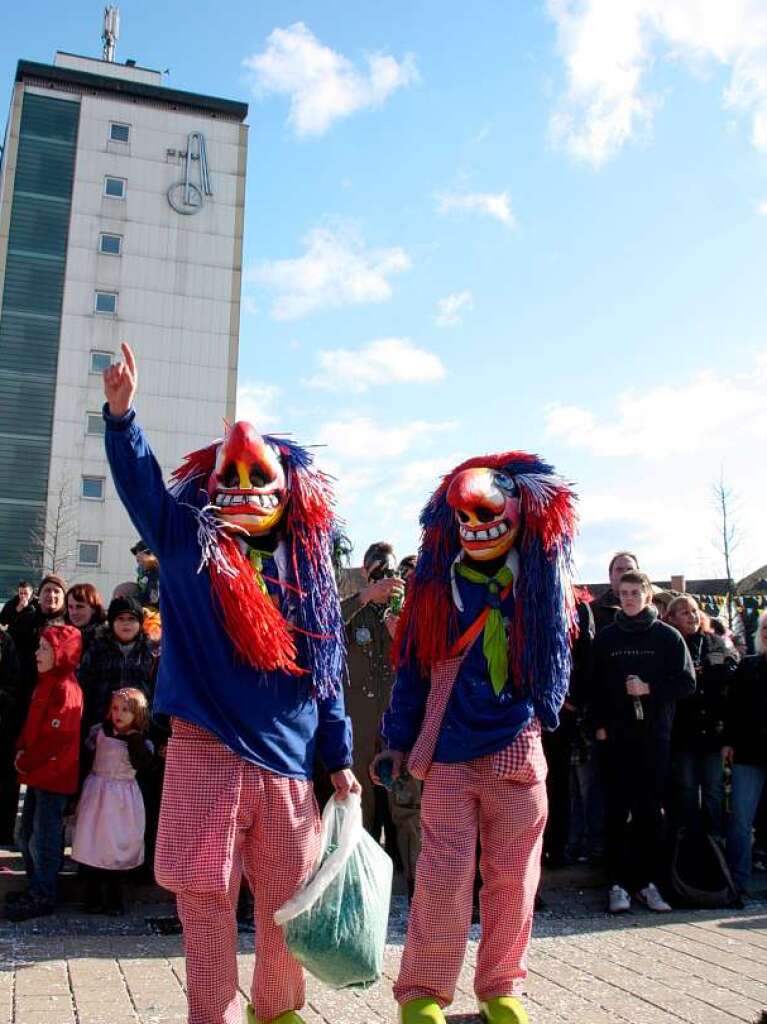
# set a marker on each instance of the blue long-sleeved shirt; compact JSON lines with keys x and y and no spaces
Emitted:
{"x":477,"y":721}
{"x":269,"y":718}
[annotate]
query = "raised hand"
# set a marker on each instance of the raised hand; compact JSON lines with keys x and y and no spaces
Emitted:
{"x":120,"y":383}
{"x":380,"y":591}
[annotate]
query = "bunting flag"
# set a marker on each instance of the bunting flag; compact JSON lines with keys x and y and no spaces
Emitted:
{"x":744,"y":608}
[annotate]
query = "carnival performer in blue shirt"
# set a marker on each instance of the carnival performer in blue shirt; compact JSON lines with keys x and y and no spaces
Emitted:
{"x":483,"y":662}
{"x":251,"y":675}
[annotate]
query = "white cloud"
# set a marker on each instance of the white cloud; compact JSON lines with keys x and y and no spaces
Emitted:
{"x":335,"y":270}
{"x":360,"y":438}
{"x":414,"y":481}
{"x":609,"y":46}
{"x":248,"y":305}
{"x":257,"y":403}
{"x":450,"y":308}
{"x":761,"y":208}
{"x":668,"y":420}
{"x":324,"y":86}
{"x":385,"y":361}
{"x":492,"y":204}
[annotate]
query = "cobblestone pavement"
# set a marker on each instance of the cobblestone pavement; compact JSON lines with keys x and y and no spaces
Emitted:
{"x":698,"y":968}
{"x":701,"y":967}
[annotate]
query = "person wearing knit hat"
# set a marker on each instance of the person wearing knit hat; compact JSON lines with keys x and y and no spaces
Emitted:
{"x":120,"y":655}
{"x":52,"y":579}
{"x":47,"y":761}
{"x":128,"y":606}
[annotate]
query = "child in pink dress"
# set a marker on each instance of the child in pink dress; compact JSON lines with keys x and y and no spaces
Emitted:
{"x":109,"y":827}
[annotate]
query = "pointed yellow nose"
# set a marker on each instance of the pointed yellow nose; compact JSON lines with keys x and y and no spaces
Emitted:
{"x":243,"y":471}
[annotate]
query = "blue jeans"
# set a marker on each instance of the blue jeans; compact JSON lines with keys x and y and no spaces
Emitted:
{"x":698,"y":781}
{"x":747,"y":784}
{"x":41,"y":839}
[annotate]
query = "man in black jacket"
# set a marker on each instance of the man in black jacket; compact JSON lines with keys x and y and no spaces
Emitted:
{"x":9,"y":686}
{"x":25,"y":633}
{"x":642,"y":666}
{"x":605,"y":607}
{"x":22,"y":603}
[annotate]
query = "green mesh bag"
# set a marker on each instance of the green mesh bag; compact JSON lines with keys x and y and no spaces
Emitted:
{"x":335,"y":925}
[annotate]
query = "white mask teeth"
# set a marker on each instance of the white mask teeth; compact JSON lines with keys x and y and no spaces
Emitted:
{"x":268,"y":502}
{"x":491,"y":533}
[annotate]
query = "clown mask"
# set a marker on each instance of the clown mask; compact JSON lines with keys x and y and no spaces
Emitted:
{"x":248,"y":485}
{"x":487,"y":510}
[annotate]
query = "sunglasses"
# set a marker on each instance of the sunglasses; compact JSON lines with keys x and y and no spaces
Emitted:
{"x":382,"y":573}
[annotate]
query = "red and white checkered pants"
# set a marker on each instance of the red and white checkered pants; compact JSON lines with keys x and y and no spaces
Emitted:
{"x":509,"y":812}
{"x":221,"y":815}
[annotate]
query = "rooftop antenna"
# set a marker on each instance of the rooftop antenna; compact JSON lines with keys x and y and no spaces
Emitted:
{"x":111,"y":32}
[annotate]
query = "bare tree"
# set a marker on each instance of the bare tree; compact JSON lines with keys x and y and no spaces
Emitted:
{"x":728,"y":536}
{"x":52,"y":538}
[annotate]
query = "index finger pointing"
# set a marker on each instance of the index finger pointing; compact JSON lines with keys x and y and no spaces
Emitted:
{"x":130,"y":359}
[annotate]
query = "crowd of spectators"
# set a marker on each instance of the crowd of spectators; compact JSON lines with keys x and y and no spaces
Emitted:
{"x":665,"y":726}
{"x":76,"y":684}
{"x":663,"y":733}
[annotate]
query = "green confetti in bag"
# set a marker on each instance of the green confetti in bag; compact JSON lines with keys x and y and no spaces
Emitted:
{"x":335,"y":925}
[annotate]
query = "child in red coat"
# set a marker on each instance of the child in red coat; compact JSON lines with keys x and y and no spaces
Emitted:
{"x":48,"y":762}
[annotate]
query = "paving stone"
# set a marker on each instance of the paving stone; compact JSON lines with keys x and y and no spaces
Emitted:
{"x":700,"y":989}
{"x":585,"y":968}
{"x":729,"y":958}
{"x":727,"y":943}
{"x":695,"y":969}
{"x":48,"y":978}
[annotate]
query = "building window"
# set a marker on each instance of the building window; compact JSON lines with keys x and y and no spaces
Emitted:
{"x":89,"y":553}
{"x":106,"y":302}
{"x":100,"y":361}
{"x":119,"y":132}
{"x":93,"y":488}
{"x":111,"y":245}
{"x":115,"y":187}
{"x":94,"y":424}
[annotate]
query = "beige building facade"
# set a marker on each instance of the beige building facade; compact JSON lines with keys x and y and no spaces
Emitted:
{"x":125,"y":201}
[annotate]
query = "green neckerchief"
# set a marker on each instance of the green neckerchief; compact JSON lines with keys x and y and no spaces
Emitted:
{"x":495,"y":644}
{"x":257,"y":561}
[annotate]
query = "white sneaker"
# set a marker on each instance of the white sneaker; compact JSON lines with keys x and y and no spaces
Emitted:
{"x":652,"y":899}
{"x":619,"y":900}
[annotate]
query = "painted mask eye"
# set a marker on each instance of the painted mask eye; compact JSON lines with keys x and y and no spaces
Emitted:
{"x":506,"y":483}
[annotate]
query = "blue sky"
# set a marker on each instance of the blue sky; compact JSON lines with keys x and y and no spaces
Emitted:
{"x":537,"y":226}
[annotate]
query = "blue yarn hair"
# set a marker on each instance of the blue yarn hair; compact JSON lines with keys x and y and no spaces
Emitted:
{"x":544,"y":617}
{"x":309,"y":527}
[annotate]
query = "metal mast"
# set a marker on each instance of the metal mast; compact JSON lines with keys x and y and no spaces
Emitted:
{"x":111,"y":32}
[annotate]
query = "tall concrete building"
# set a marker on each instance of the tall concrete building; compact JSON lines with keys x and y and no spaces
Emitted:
{"x":121,"y":218}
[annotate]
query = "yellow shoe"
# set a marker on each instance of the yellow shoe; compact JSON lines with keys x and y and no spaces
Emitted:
{"x":421,"y":1011}
{"x":503,"y":1010}
{"x":291,"y":1017}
